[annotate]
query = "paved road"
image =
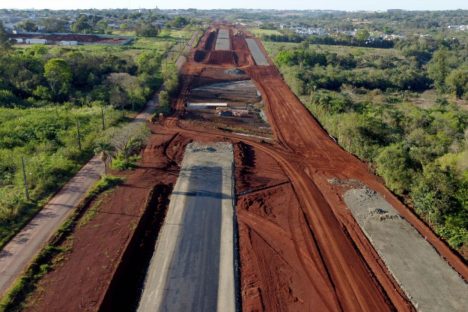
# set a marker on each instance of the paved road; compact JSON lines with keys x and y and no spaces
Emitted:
{"x":192,"y":268}
{"x":20,"y":251}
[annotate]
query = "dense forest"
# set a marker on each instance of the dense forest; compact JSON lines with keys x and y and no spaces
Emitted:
{"x":368,"y":99}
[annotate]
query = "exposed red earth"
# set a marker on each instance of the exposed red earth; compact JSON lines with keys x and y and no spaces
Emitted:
{"x":300,"y":248}
{"x":335,"y":262}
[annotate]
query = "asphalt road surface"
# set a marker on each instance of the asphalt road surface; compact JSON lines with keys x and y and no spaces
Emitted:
{"x":192,"y":268}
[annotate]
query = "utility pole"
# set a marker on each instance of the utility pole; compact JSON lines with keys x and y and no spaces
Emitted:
{"x":25,"y":181}
{"x":102,"y":118}
{"x":78,"y":135}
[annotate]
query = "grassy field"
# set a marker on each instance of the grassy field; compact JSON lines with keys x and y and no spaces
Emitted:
{"x":162,"y":43}
{"x":264,"y":32}
{"x":274,"y":48}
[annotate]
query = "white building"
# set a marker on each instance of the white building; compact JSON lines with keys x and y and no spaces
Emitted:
{"x":68,"y":43}
{"x":35,"y":41}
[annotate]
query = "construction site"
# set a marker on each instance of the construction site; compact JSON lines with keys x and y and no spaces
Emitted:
{"x":243,"y":202}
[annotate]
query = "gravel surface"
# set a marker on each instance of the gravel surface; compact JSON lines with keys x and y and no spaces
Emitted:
{"x":427,"y":279}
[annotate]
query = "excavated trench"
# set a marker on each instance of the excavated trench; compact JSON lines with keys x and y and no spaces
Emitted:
{"x":126,"y":286}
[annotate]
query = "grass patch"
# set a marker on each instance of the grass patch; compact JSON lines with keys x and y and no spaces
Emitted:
{"x":264,"y":32}
{"x":16,"y":297}
{"x":106,"y":183}
{"x":273,"y":48}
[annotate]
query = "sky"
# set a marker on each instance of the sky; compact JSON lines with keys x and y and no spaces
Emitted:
{"x":348,"y":5}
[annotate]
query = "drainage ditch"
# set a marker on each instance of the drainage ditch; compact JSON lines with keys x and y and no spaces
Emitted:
{"x":125,"y":288}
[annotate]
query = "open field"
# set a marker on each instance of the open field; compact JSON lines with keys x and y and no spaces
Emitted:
{"x":258,"y":32}
{"x":274,"y":48}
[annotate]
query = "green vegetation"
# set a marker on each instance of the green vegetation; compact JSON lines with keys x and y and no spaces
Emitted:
{"x":171,"y":86}
{"x":364,"y":98}
{"x":4,"y":40}
{"x":47,"y":138}
{"x":120,"y":146}
{"x":15,"y":299}
{"x":105,"y":183}
{"x":55,"y":103}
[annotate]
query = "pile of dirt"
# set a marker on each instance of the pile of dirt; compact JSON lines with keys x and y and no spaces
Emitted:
{"x":255,"y":170}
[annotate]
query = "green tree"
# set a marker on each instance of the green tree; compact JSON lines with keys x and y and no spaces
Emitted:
{"x":28,"y":26}
{"x":435,"y":194}
{"x":457,"y":82}
{"x":59,"y":76}
{"x":394,"y":166}
{"x":81,"y":25}
{"x":362,"y":34}
{"x":5,"y":42}
{"x":102,"y":26}
{"x":438,"y":69}
{"x":54,"y":24}
{"x":147,"y":30}
{"x":179,"y":22}
{"x":164,"y":102}
{"x":171,"y":78}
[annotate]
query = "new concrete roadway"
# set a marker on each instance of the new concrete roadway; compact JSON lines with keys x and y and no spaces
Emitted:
{"x":192,"y":268}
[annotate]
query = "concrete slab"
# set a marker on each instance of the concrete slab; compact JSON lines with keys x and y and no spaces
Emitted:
{"x":256,"y":52}
{"x":192,"y":268}
{"x":223,"y":41}
{"x":426,"y":278}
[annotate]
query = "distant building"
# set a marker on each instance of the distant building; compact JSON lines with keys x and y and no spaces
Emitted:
{"x":35,"y":41}
{"x":68,"y":43}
